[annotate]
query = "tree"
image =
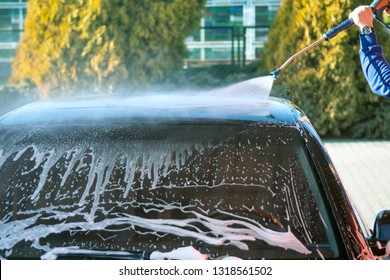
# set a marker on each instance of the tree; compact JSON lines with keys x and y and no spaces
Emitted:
{"x":327,"y":82}
{"x":103,"y":44}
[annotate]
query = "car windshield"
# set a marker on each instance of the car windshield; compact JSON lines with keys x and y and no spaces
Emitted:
{"x":227,"y":189}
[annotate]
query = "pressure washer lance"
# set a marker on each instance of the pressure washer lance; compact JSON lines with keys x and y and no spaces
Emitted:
{"x":377,"y":7}
{"x":328,"y":35}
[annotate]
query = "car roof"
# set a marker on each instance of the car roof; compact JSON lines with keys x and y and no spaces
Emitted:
{"x":111,"y":109}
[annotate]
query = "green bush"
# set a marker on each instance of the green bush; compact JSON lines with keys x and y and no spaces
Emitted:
{"x":100,"y":45}
{"x":376,"y":124}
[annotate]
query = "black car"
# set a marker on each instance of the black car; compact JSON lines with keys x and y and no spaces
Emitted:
{"x":173,"y":176}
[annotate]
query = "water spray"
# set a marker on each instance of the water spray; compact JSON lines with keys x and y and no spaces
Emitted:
{"x":377,"y":7}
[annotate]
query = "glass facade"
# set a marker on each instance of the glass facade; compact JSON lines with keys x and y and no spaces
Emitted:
{"x":12,"y":16}
{"x":232,"y":31}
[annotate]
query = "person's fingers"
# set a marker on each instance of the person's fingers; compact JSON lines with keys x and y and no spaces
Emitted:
{"x":387,"y":11}
{"x":362,"y":16}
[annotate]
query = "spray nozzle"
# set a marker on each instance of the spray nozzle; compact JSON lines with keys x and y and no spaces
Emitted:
{"x":275,"y":74}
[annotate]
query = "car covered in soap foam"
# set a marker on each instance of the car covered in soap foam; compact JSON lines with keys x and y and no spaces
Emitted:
{"x":190,"y":176}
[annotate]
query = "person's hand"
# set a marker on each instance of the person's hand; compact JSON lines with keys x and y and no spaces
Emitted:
{"x":387,"y":11}
{"x":362,"y":16}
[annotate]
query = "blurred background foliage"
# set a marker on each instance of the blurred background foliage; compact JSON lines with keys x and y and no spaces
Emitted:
{"x":104,"y":46}
{"x":327,"y":83}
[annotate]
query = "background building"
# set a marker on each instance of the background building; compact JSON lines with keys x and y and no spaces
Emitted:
{"x":231,"y":31}
{"x":12,"y":16}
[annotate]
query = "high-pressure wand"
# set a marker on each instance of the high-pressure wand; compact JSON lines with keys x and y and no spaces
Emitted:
{"x":377,"y":7}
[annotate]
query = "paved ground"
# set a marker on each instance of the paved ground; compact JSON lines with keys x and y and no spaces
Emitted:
{"x":364,"y":168}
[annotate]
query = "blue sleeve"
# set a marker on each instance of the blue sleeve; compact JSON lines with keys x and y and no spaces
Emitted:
{"x":375,"y":67}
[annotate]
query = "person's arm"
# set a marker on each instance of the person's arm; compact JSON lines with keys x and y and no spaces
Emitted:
{"x":375,"y":67}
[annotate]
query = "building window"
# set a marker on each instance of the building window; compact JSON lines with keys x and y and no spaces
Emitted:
{"x":224,"y":16}
{"x":218,"y":17}
{"x":12,"y":16}
{"x":265,"y":15}
{"x":223,"y":53}
{"x":233,"y":30}
{"x":10,"y":25}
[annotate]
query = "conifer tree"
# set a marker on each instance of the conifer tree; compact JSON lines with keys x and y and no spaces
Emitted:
{"x":103,"y":44}
{"x":326,"y":82}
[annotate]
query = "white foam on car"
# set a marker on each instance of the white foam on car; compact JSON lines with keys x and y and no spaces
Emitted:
{"x":183,"y":253}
